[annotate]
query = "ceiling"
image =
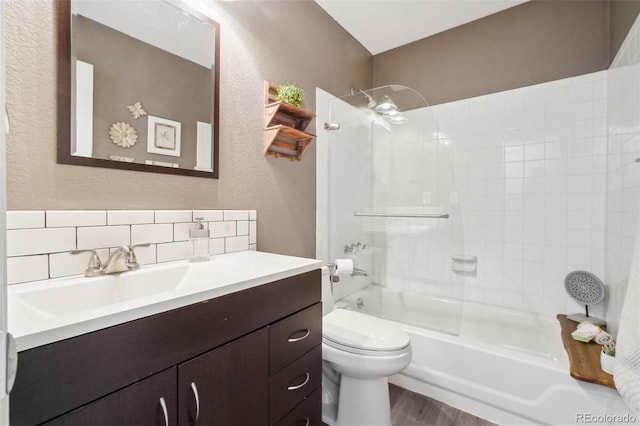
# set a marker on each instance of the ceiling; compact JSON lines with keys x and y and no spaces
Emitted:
{"x":381,"y":25}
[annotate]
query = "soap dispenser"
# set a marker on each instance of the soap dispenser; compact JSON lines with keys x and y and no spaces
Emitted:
{"x":199,"y":243}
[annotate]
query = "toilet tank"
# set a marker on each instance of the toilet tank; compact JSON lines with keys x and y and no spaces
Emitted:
{"x":327,"y":295}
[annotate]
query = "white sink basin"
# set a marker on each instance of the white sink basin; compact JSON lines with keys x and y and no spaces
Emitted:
{"x":46,"y":311}
{"x":72,"y":295}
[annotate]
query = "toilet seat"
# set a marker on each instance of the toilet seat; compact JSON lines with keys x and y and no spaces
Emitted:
{"x":357,"y":333}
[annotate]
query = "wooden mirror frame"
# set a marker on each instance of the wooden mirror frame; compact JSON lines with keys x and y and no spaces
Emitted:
{"x":63,"y":93}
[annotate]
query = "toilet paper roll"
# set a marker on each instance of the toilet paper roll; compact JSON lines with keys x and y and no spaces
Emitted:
{"x":344,"y":266}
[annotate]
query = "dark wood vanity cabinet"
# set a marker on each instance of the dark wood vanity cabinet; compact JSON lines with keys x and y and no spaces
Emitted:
{"x":226,"y":386}
{"x":138,"y":404}
{"x":248,"y":358}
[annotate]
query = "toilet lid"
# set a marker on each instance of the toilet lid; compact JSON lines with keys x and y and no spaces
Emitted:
{"x":355,"y":330}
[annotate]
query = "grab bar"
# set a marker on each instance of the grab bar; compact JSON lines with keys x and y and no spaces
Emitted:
{"x":408,"y":215}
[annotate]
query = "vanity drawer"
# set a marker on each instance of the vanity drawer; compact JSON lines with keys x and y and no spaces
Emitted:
{"x":294,"y":336}
{"x":291,"y":385}
{"x":307,"y":413}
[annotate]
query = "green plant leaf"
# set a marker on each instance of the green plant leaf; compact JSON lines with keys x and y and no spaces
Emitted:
{"x":291,"y":94}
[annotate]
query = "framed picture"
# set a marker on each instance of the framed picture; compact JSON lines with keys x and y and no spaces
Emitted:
{"x":163,"y":136}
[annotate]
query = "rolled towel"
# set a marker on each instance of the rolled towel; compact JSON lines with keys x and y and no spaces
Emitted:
{"x":603,"y":338}
{"x":585,"y":332}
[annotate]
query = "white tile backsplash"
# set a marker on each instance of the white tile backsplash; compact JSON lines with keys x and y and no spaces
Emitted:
{"x":209,"y":215}
{"x":146,"y":255}
{"x":253,"y":232}
{"x":21,"y":242}
{"x":181,"y":230}
{"x":64,"y":264}
{"x":153,"y":233}
{"x":38,"y":241}
{"x":233,"y":244}
{"x":236,"y":215}
{"x":173,"y":251}
{"x":25,"y":219}
{"x":27,"y":268}
{"x":129,"y":217}
{"x":103,"y":236}
{"x":173,"y":216}
{"x":223,"y":229}
{"x":61,"y":218}
{"x":242,"y":227}
{"x":216,"y":246}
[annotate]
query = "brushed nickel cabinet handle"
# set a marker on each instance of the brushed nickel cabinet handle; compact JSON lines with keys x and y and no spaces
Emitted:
{"x":163,"y":405}
{"x":307,"y":421}
{"x":296,"y":387}
{"x":297,"y":339}
{"x":196,"y":397}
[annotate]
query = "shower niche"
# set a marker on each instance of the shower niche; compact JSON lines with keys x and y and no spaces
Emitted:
{"x":285,"y":125}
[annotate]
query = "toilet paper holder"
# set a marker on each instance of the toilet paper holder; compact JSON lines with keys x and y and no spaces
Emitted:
{"x":333,"y":272}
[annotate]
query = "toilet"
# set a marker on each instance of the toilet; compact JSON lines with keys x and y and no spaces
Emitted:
{"x":359,"y":352}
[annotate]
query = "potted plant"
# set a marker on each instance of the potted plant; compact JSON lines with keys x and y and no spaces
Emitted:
{"x":608,"y":357}
{"x":291,"y":94}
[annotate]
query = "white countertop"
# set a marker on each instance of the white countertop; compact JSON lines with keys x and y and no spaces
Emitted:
{"x":47,"y":311}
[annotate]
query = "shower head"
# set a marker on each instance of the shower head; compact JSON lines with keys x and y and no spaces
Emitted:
{"x":371,"y":103}
{"x":387,"y":106}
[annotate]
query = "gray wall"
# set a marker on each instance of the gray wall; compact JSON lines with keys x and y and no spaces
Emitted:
{"x":310,"y":50}
{"x":535,"y":42}
{"x":622,"y":15}
{"x":532,"y":43}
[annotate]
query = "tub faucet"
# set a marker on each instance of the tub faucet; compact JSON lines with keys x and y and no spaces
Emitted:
{"x":358,"y":271}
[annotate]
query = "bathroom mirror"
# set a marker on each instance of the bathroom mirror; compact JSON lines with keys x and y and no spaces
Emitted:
{"x":138,"y":85}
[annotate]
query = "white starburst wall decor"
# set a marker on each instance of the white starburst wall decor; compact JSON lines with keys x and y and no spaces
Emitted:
{"x":123,"y":134}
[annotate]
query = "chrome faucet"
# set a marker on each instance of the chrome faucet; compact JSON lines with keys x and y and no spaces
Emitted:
{"x":122,"y":259}
{"x":118,"y":261}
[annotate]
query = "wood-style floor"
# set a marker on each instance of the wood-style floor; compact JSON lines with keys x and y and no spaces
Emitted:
{"x":412,"y":409}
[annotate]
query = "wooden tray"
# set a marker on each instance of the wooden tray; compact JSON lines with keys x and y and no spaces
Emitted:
{"x":584,"y":358}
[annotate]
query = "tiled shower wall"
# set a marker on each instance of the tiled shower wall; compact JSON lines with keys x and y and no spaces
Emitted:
{"x":38,"y":242}
{"x":530,"y":170}
{"x":546,"y":181}
{"x":623,"y":172}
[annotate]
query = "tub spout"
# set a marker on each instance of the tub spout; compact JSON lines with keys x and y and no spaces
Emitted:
{"x":360,"y":272}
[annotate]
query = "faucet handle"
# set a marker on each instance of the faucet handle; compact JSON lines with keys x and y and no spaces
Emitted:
{"x":94,"y":267}
{"x":132,"y":260}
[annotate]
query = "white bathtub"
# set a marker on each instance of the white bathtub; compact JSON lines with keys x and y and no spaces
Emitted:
{"x":506,"y":366}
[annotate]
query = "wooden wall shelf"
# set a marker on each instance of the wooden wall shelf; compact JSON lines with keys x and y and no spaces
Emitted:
{"x":584,"y":358}
{"x":284,"y":133}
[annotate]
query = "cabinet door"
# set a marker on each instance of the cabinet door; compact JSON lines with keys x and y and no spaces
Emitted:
{"x":228,"y":385}
{"x":150,"y":402}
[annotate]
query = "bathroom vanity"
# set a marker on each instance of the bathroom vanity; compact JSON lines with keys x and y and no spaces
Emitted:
{"x":246,"y":357}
